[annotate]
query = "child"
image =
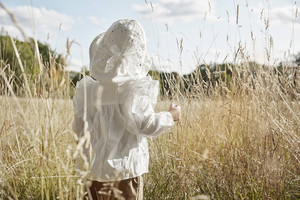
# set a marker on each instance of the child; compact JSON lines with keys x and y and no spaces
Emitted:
{"x":114,"y":113}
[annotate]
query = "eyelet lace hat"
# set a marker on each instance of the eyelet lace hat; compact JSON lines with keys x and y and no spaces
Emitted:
{"x":119,"y":63}
{"x":119,"y":54}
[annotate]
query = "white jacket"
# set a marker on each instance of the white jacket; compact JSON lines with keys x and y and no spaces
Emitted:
{"x":118,"y":107}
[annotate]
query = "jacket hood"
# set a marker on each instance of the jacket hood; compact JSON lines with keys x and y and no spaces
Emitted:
{"x":119,"y":54}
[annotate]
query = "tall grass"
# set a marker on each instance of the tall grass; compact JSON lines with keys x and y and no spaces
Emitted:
{"x":234,"y":141}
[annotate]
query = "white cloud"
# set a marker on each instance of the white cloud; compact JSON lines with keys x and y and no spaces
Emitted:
{"x":163,"y":65}
{"x":96,"y":21}
{"x":45,"y":21}
{"x":74,"y":65}
{"x":285,"y":15}
{"x":12,"y":30}
{"x":169,"y":11}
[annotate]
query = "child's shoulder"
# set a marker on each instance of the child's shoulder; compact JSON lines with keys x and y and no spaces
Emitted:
{"x":85,"y":82}
{"x":84,"y":87}
{"x":141,"y":88}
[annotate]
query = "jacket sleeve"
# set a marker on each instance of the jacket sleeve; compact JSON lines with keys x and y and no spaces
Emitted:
{"x":145,"y":121}
{"x":78,"y":103}
{"x":150,"y":123}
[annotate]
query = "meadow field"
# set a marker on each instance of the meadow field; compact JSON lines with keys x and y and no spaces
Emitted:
{"x":225,"y":148}
{"x":238,"y":137}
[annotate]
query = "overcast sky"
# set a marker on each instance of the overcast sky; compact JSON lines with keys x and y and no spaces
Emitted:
{"x":209,"y":31}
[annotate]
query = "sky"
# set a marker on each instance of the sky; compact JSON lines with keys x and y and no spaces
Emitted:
{"x":181,"y":34}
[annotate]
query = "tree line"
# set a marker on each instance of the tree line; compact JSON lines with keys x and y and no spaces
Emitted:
{"x":14,"y":52}
{"x":227,"y":77}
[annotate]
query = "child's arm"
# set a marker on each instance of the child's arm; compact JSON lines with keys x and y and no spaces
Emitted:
{"x":77,"y":125}
{"x":175,"y":111}
{"x":150,"y":124}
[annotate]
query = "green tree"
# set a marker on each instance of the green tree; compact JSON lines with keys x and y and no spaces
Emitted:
{"x":52,"y":63}
{"x":11,"y":63}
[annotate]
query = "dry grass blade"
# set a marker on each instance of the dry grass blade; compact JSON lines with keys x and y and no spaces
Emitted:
{"x":14,"y":21}
{"x":21,"y":66}
{"x":238,"y":138}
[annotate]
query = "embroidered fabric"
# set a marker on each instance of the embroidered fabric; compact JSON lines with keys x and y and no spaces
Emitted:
{"x":119,"y":54}
{"x":116,"y":111}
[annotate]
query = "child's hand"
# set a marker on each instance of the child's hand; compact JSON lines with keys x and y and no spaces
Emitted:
{"x":175,"y":111}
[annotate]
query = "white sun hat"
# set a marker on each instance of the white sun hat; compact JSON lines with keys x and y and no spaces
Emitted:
{"x":119,"y":54}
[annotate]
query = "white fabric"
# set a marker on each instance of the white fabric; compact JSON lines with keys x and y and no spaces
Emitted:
{"x":119,"y":54}
{"x":119,"y":106}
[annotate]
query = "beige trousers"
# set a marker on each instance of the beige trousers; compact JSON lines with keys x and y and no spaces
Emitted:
{"x":129,"y":189}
